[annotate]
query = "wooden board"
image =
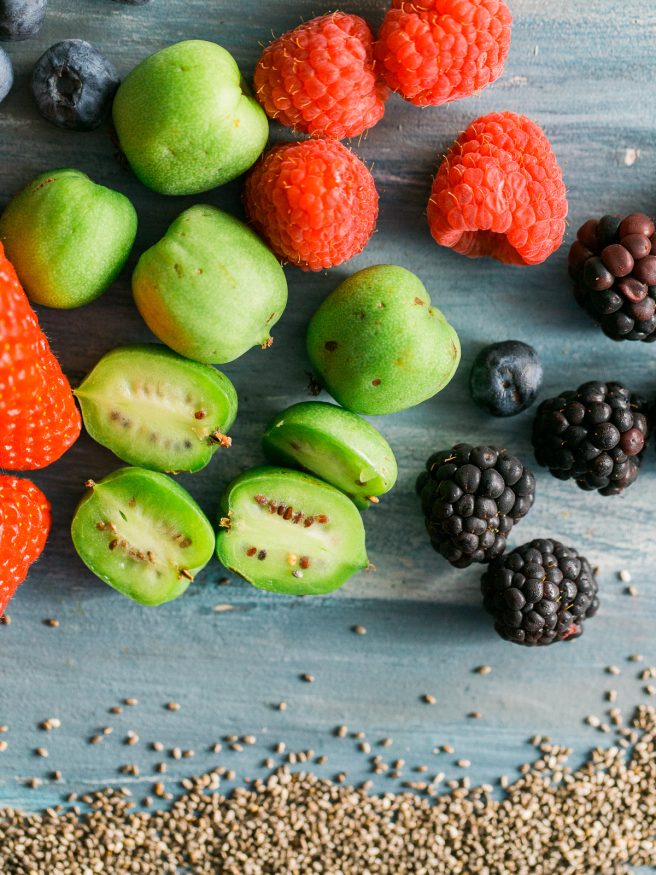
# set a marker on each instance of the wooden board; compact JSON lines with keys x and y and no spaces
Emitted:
{"x":585,"y":73}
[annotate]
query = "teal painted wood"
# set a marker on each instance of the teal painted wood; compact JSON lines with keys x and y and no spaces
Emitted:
{"x":586,"y":75}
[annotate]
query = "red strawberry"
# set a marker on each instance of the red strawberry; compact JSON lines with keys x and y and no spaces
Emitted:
{"x":24,"y":527}
{"x":38,"y":417}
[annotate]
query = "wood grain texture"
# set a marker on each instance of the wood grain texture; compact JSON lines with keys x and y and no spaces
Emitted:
{"x":585,"y":73}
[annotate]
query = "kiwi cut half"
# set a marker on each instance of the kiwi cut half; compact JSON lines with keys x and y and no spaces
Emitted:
{"x":288,"y":532}
{"x":336,"y":445}
{"x":143,"y":534}
{"x":156,"y":409}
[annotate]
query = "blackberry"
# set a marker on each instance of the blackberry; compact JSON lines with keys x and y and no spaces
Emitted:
{"x":594,"y":435}
{"x":539,"y":593}
{"x":613,"y":265}
{"x":471,"y":498}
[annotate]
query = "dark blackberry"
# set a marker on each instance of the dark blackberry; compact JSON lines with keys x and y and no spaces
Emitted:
{"x":471,"y":498}
{"x":595,"y":435}
{"x":613,"y":265}
{"x":539,"y":593}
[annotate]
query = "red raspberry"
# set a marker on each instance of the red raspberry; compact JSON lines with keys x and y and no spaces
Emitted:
{"x":38,"y":417}
{"x":435,"y":51}
{"x":24,"y":528}
{"x":500,"y":192}
{"x":319,"y":78}
{"x":314,"y":202}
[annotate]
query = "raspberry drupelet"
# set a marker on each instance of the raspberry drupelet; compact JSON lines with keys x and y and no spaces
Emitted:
{"x":319,"y":78}
{"x":435,"y":51}
{"x":500,"y":192}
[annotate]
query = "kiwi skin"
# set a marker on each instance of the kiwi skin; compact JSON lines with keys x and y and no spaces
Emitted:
{"x":287,"y":532}
{"x":334,"y":444}
{"x":202,"y":407}
{"x":143,"y":534}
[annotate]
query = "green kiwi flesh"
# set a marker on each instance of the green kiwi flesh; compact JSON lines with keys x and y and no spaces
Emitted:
{"x":156,"y":409}
{"x":336,"y":445}
{"x":288,"y":532}
{"x":143,"y":534}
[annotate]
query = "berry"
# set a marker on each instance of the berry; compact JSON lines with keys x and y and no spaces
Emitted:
{"x":74,"y":85}
{"x":540,"y":593}
{"x":614,"y":273}
{"x":595,"y":435}
{"x":500,"y":192}
{"x":436,"y":51}
{"x":21,"y":19}
{"x":38,"y":417}
{"x":505,"y":377}
{"x":471,"y":498}
{"x":24,"y":527}
{"x":6,"y":74}
{"x":314,"y":202}
{"x":319,"y":78}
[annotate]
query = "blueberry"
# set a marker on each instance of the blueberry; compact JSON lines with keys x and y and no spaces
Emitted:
{"x":73,"y":85}
{"x":505,"y":377}
{"x":6,"y":74}
{"x":21,"y":19}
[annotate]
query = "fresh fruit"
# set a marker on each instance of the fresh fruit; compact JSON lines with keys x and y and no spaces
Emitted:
{"x":186,"y":120}
{"x":157,"y":409}
{"x":38,"y":417}
{"x":73,"y":85}
{"x":319,"y":78}
{"x":67,"y":237}
{"x":143,"y":534}
{"x":6,"y":74}
{"x":540,"y":593}
{"x":288,"y":532}
{"x":377,"y":343}
{"x":339,"y":447}
{"x":471,"y":498}
{"x":314,"y":202}
{"x":210,"y":289}
{"x":435,"y":51}
{"x":594,"y":435}
{"x":500,"y":192}
{"x":613,"y":265}
{"x":21,"y":19}
{"x":24,"y":527}
{"x":505,"y":377}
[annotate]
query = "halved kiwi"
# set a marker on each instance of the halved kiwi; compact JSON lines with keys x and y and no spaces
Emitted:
{"x":154,"y":408}
{"x":285,"y":531}
{"x":143,"y":534}
{"x":339,"y":446}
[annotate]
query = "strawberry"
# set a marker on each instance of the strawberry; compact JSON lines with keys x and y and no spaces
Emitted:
{"x":24,"y":527}
{"x":38,"y":417}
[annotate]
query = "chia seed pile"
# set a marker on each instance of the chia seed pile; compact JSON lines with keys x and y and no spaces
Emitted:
{"x":598,"y":818}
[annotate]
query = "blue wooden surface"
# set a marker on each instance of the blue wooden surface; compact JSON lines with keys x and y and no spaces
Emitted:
{"x":585,"y":73}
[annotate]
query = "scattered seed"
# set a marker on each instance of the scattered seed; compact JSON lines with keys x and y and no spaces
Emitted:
{"x":360,"y":630}
{"x":613,"y":669}
{"x":282,"y":706}
{"x":249,"y":739}
{"x":222,"y":609}
{"x":624,"y":575}
{"x":592,"y":720}
{"x":56,"y":775}
{"x":631,"y":590}
{"x":217,"y":748}
{"x":188,"y":754}
{"x":308,"y":678}
{"x":475,"y":715}
{"x":95,"y":739}
{"x":611,"y":695}
{"x":3,"y":746}
{"x":161,"y":768}
{"x":172,"y":706}
{"x":157,"y":746}
{"x":429,"y":699}
{"x":50,"y":724}
{"x":52,"y":622}
{"x":636,"y":657}
{"x":483,"y":669}
{"x":176,"y":753}
{"x":41,"y":752}
{"x":116,"y":710}
{"x":281,"y":747}
{"x":131,"y":701}
{"x":236,"y":747}
{"x":341,"y":731}
{"x":447,"y":748}
{"x":365,"y":747}
{"x":385,"y":742}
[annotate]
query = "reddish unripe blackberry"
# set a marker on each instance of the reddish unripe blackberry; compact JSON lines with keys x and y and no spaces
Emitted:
{"x":613,"y":265}
{"x":540,"y":593}
{"x":594,"y":435}
{"x":471,"y":498}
